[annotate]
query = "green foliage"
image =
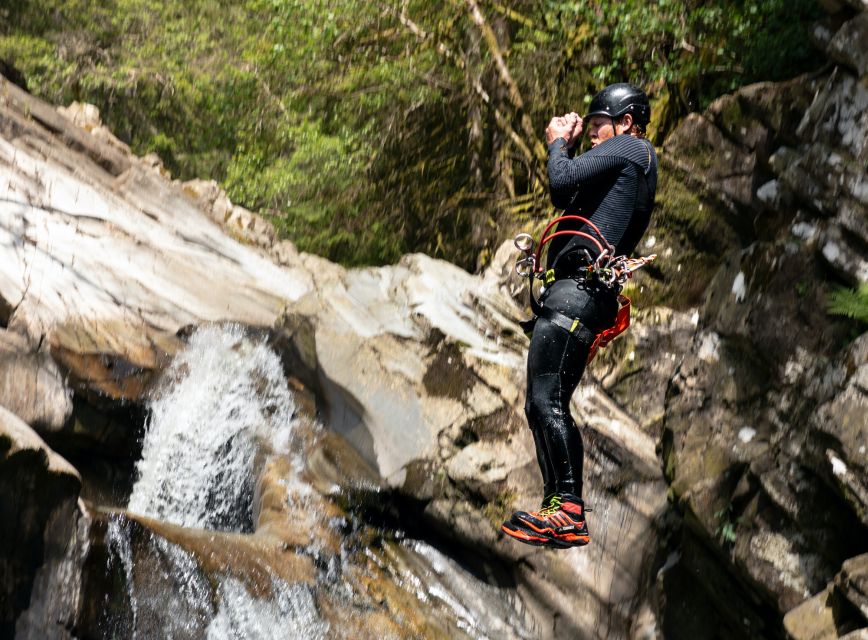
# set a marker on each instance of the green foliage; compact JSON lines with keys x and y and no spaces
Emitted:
{"x":367,"y":130}
{"x":726,"y":528}
{"x":500,"y":508}
{"x":852,"y":303}
{"x":685,"y":53}
{"x":727,"y":533}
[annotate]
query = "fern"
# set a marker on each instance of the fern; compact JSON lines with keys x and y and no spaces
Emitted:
{"x":852,"y":303}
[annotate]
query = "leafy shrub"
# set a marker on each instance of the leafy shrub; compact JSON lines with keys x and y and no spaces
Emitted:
{"x":367,"y":130}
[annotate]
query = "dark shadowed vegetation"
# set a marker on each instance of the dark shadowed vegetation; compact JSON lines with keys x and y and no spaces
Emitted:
{"x":369,"y":129}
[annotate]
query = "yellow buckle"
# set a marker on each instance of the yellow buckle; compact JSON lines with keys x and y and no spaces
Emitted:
{"x":550,"y":276}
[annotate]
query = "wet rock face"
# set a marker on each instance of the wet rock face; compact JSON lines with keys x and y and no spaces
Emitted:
{"x":390,"y":343}
{"x":103,"y":261}
{"x":838,"y":611}
{"x":43,"y":536}
{"x":839,"y":431}
{"x":31,"y":384}
{"x":137,"y":249}
{"x":311,"y":567}
{"x":426,"y":380}
{"x":763,"y":439}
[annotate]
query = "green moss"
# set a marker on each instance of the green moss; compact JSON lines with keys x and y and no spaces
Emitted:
{"x":684,"y":210}
{"x":500,"y":509}
{"x":691,"y":233}
{"x":732,"y":116}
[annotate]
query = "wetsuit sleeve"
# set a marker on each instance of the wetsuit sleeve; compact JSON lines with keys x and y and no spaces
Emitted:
{"x":569,"y":176}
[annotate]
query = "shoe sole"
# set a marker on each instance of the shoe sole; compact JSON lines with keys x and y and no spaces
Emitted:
{"x":570,"y":540}
{"x":542,"y":539}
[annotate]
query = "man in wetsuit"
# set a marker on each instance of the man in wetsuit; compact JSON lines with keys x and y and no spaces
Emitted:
{"x":613,"y":185}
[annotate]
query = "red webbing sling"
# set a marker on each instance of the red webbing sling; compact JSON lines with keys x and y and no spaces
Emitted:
{"x":622,"y":322}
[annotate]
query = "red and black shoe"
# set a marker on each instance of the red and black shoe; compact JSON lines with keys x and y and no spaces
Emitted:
{"x":559,"y":524}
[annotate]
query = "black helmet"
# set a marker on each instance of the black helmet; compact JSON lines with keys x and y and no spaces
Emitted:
{"x":620,"y":98}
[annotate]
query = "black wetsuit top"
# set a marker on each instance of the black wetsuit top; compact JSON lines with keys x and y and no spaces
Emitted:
{"x":613,"y":185}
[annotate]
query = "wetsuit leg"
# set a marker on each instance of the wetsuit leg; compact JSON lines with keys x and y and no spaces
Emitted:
{"x":542,"y":456}
{"x":556,"y":362}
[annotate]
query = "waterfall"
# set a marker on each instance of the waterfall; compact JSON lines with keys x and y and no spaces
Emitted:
{"x":170,"y":571}
{"x":225,"y":397}
{"x":222,"y":406}
{"x":223,"y":401}
{"x":480,"y":610}
{"x":290,"y":613}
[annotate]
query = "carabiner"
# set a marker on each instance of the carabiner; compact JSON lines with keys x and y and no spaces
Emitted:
{"x":526,"y":266}
{"x":523,"y":242}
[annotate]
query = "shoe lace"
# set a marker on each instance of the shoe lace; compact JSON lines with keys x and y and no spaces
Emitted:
{"x":553,"y":506}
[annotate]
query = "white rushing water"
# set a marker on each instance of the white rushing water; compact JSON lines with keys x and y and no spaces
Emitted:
{"x":177,"y":600}
{"x":186,"y":611}
{"x":480,"y":610}
{"x":224,"y":405}
{"x":227,"y":397}
{"x":290,"y":613}
{"x":223,"y":401}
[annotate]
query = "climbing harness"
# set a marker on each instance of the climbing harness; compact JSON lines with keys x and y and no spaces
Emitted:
{"x":607,"y":269}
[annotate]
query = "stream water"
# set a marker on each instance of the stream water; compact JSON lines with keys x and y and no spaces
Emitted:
{"x":222,"y":399}
{"x":223,"y":408}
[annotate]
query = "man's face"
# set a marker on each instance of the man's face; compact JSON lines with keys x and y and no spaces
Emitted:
{"x":600,"y":129}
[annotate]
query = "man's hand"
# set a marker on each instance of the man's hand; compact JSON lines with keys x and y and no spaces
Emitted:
{"x":568,"y":126}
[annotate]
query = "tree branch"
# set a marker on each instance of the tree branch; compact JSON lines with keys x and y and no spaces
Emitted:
{"x":533,"y":156}
{"x":506,"y":78}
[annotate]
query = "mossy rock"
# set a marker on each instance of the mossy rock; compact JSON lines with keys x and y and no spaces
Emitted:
{"x":690,"y":230}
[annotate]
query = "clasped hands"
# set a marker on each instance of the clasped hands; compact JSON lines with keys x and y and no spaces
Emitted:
{"x":568,"y":126}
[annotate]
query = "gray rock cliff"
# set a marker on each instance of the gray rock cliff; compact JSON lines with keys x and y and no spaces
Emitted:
{"x":725,"y":432}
